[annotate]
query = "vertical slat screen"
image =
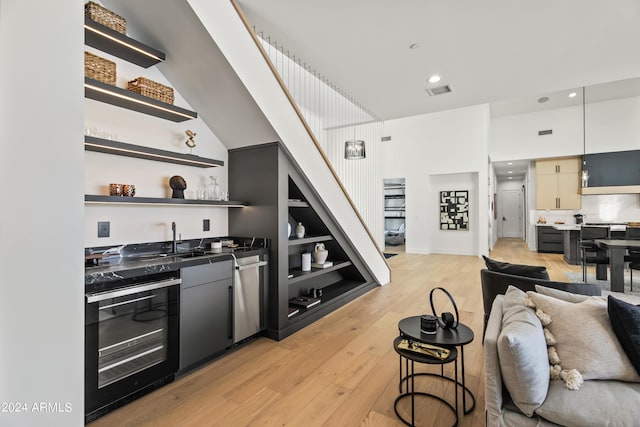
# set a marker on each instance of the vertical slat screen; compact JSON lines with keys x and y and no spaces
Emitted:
{"x":334,"y":117}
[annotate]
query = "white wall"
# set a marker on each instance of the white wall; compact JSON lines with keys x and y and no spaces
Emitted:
{"x":610,"y":126}
{"x":139,"y":223}
{"x":449,"y":143}
{"x":41,"y":244}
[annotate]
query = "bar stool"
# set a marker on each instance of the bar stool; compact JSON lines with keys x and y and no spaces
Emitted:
{"x":633,"y":256}
{"x":588,"y":246}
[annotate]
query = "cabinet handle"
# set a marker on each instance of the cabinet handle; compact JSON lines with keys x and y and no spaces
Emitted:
{"x":231,"y":316}
{"x":558,"y":202}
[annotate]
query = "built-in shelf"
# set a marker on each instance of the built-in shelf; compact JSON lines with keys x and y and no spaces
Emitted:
{"x":100,"y":145}
{"x":394,"y":217}
{"x":329,"y":295}
{"x":112,"y":42}
{"x":307,"y":240}
{"x":119,"y":97}
{"x":299,"y":275}
{"x":298,"y":204}
{"x":92,"y":198}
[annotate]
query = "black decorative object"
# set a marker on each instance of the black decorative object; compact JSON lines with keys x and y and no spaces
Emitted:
{"x":454,"y":210}
{"x":446,"y":320}
{"x":178,"y":185}
{"x":428,"y":324}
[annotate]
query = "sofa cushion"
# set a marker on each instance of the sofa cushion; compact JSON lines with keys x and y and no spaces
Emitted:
{"x":559,"y":294}
{"x":625,"y":320}
{"x":523,"y":354}
{"x":586,"y":340}
{"x":533,"y":271}
{"x":597,"y":403}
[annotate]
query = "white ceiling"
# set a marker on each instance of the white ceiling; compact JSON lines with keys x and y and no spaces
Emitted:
{"x":487,"y":51}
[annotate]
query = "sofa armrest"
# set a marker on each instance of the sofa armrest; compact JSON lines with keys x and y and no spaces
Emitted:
{"x":492,"y":377}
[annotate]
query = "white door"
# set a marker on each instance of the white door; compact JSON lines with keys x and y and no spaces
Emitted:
{"x":511,"y":213}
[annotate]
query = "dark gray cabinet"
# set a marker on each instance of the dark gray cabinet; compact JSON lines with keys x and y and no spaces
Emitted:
{"x":205,"y":312}
{"x":571,"y":247}
{"x":550,"y":240}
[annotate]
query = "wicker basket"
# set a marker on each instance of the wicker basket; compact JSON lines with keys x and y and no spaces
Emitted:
{"x":103,"y":16}
{"x":98,"y":68}
{"x":152,"y":89}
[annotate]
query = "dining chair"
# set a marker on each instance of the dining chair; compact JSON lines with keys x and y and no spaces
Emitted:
{"x":590,"y":252}
{"x":633,"y":255}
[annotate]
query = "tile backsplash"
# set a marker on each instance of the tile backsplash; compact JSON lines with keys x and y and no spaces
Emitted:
{"x":597,"y":208}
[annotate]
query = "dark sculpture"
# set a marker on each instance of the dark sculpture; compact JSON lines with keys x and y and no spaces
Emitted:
{"x":178,"y":185}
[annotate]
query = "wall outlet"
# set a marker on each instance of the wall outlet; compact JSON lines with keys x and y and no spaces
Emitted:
{"x":206,"y":225}
{"x":103,"y":229}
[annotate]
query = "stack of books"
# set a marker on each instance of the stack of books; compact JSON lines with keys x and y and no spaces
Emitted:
{"x":304,"y":302}
{"x":323,"y":265}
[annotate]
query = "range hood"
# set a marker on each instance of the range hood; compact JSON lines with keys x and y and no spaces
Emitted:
{"x":613,"y":173}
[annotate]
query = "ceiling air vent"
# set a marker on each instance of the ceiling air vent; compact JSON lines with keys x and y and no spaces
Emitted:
{"x":385,"y":138}
{"x":545,"y":132}
{"x":440,"y":90}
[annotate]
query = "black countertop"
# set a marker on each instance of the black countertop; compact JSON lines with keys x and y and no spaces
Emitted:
{"x":131,"y":262}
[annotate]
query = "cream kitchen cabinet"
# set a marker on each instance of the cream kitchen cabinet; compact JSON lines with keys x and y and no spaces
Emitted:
{"x":558,"y":183}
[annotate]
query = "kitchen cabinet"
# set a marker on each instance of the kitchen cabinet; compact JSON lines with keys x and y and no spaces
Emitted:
{"x":281,"y":195}
{"x":206,"y":303}
{"x":558,"y":183}
{"x":550,"y":240}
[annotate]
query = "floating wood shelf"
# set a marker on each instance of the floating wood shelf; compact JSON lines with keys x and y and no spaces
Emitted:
{"x":100,"y":145}
{"x":112,"y":42}
{"x":119,"y":97}
{"x":91,"y":198}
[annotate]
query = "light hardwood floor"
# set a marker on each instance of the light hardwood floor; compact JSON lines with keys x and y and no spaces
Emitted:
{"x":341,"y":370}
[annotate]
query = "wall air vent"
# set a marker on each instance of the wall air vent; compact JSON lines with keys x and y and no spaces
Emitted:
{"x":545,"y":132}
{"x":440,"y":90}
{"x":385,"y":138}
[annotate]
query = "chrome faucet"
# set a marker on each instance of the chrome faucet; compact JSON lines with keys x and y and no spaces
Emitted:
{"x":174,"y":246}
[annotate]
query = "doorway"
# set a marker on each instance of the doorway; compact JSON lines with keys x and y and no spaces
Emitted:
{"x":511,"y":213}
{"x":394,"y":215}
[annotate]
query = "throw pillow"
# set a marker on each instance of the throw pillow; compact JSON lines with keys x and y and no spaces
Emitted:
{"x":585,"y":339}
{"x":559,"y":294}
{"x":533,"y":271}
{"x":523,"y":353}
{"x":625,"y":320}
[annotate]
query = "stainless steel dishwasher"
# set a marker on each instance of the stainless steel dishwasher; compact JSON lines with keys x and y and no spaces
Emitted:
{"x":249,"y":295}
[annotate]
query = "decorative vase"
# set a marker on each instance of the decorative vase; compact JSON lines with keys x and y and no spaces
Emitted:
{"x":288,"y":230}
{"x":299,"y":230}
{"x":320,"y":254}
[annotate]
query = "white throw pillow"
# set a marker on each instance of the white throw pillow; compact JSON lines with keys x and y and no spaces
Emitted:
{"x":586,"y":341}
{"x":523,"y":353}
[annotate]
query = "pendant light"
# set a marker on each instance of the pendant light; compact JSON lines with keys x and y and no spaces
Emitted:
{"x":585,"y":172}
{"x":354,"y":149}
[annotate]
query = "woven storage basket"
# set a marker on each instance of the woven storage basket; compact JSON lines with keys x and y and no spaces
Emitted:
{"x":104,"y":16}
{"x":152,"y":89}
{"x":98,"y":68}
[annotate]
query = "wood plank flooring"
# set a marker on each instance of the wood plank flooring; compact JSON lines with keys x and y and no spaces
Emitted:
{"x":341,"y":370}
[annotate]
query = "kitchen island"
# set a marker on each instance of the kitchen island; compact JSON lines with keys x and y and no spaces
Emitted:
{"x":570,"y":242}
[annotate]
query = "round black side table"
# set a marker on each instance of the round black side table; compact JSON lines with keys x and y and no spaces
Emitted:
{"x":459,"y":337}
{"x":409,"y":378}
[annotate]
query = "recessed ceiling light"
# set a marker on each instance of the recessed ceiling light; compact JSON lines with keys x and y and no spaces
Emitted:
{"x":543,"y":99}
{"x":414,"y":46}
{"x":572,"y":95}
{"x":510,"y":171}
{"x":510,"y":177}
{"x":510,"y":163}
{"x":434,"y":79}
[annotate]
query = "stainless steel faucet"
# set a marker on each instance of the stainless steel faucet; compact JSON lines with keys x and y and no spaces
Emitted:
{"x":174,"y":246}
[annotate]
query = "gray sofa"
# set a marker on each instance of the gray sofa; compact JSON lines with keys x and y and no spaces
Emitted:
{"x":596,"y":403}
{"x":496,"y":283}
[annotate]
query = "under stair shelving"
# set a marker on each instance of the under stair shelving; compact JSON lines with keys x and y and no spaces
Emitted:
{"x":281,"y":195}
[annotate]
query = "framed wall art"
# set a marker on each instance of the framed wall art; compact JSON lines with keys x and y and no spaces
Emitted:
{"x":454,"y":210}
